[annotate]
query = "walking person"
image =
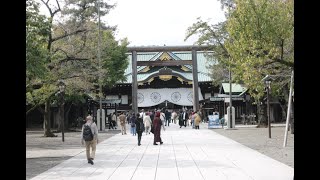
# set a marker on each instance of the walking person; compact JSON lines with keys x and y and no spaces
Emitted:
{"x":181,"y":119}
{"x":147,"y":123}
{"x":185,"y":117}
{"x":162,"y":117}
{"x":114,"y":120}
{"x":197,"y":120}
{"x":168,"y":117}
{"x":122,"y":119}
{"x":89,"y":135}
{"x":111,"y":126}
{"x":157,"y":123}
{"x":139,"y":128}
{"x":133,"y":124}
{"x":192,"y":119}
{"x":142,"y":114}
{"x":174,"y":117}
{"x":152,"y":115}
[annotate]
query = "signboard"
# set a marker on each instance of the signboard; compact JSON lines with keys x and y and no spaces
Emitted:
{"x":214,"y":121}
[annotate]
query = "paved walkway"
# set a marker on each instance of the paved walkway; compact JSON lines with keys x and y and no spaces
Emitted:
{"x":186,"y":154}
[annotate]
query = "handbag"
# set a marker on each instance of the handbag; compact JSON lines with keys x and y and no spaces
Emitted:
{"x":152,"y":129}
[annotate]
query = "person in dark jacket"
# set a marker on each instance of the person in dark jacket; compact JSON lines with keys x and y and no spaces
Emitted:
{"x":157,"y":128}
{"x":152,"y":116}
{"x":182,"y":118}
{"x":139,"y":128}
{"x":133,"y":124}
{"x":110,"y":121}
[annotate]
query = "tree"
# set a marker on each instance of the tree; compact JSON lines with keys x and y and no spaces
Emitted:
{"x":261,"y":43}
{"x":114,"y":55}
{"x":71,"y":46}
{"x":37,"y":29}
{"x":255,"y":40}
{"x":213,"y":36}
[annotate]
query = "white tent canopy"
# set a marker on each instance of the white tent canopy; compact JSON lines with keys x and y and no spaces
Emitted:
{"x":179,"y":96}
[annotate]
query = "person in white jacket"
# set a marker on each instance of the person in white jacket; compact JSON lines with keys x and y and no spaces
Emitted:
{"x":163,"y":119}
{"x":147,"y":123}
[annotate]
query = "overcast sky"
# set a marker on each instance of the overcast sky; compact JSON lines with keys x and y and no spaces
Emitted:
{"x":159,"y":22}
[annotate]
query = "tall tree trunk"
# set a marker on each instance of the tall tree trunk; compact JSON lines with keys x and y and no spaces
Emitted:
{"x":85,"y":111}
{"x":66,"y":117}
{"x":58,"y":120}
{"x":262,"y":114}
{"x":284,"y":109}
{"x":46,"y":113}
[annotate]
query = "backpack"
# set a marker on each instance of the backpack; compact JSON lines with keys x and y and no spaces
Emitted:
{"x":141,"y":126}
{"x":133,"y":123}
{"x":87,"y":133}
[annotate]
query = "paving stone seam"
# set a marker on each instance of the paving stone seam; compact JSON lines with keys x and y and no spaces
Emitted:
{"x":140,"y":160}
{"x":195,"y":162}
{"x":175,"y":157}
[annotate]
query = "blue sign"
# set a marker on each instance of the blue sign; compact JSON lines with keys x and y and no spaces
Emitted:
{"x":214,"y":121}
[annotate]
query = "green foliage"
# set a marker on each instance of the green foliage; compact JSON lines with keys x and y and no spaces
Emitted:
{"x":80,"y":11}
{"x":260,"y":43}
{"x":68,"y":39}
{"x":114,"y":59}
{"x":214,"y":36}
{"x":41,"y":95}
{"x":256,"y":40}
{"x":37,"y":31}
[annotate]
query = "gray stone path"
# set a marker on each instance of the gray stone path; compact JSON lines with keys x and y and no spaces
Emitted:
{"x":185,"y":154}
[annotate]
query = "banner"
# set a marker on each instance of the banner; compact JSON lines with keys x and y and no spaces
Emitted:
{"x":179,"y":96}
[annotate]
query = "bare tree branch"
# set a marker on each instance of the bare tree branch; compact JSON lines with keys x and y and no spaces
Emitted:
{"x":70,"y":34}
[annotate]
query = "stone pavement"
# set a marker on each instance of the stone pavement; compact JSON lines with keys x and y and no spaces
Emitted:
{"x":186,"y":154}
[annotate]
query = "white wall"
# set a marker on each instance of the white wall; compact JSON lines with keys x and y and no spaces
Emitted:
{"x":207,"y":95}
{"x":124,"y":99}
{"x":112,"y":97}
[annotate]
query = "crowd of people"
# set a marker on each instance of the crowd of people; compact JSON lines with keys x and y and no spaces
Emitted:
{"x":151,"y":121}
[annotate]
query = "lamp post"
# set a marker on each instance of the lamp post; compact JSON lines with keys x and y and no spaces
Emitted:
{"x":99,"y":58}
{"x":268,"y":106}
{"x":60,"y":94}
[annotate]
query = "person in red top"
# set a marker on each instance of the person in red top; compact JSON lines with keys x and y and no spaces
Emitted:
{"x":157,"y":129}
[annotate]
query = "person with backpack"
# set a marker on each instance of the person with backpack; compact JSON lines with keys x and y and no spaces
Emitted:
{"x":139,"y":128}
{"x":89,"y":135}
{"x":133,"y":124}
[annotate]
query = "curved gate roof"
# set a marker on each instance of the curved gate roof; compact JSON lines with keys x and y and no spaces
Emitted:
{"x":184,"y":71}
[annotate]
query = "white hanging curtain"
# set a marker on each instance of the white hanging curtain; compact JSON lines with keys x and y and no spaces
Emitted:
{"x":179,"y":96}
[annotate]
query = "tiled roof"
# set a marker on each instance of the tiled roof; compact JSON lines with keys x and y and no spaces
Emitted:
{"x":203,"y":72}
{"x":236,"y":88}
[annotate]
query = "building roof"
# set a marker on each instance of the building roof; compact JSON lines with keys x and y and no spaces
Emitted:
{"x":143,"y":73}
{"x":236,"y":88}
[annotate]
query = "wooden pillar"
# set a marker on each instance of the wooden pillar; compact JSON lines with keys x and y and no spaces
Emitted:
{"x":195,"y":84}
{"x":134,"y":83}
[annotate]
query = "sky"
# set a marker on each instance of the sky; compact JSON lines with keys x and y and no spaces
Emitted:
{"x":161,"y":22}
